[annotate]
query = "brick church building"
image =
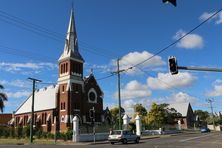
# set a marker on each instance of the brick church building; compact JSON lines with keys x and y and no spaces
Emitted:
{"x":74,"y":95}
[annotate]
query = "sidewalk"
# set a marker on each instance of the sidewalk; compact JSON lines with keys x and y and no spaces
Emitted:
{"x":107,"y":142}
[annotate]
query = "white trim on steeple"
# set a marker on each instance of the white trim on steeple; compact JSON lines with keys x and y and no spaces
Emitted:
{"x":71,"y":49}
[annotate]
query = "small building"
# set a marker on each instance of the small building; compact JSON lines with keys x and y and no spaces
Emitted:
{"x":5,"y":118}
{"x":188,"y":118}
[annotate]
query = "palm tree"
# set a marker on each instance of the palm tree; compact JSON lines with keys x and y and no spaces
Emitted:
{"x":3,"y":98}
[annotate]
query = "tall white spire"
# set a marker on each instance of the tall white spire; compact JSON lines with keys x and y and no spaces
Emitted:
{"x":71,"y":49}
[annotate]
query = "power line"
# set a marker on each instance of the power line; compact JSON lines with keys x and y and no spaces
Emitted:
{"x":30,"y":29}
{"x":28,"y":24}
{"x":42,"y":31}
{"x":108,"y":76}
{"x":167,"y":84}
{"x":39,"y":30}
{"x":26,"y":54}
{"x":173,"y":43}
{"x":96,"y":48}
{"x":48,"y":32}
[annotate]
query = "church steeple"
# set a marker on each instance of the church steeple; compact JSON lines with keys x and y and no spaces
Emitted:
{"x":71,"y":61}
{"x":71,"y":49}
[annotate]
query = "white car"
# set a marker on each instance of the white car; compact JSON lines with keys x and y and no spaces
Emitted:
{"x":123,"y":136}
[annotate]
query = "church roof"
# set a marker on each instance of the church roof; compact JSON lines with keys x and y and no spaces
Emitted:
{"x":86,"y":80}
{"x":180,"y":107}
{"x":45,"y":99}
{"x":71,"y":49}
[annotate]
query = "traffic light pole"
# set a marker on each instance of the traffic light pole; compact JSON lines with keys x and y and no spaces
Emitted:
{"x":174,"y":67}
{"x":32,"y":111}
{"x":200,"y":68}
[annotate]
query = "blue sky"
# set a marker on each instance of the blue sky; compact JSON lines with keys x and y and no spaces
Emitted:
{"x":130,"y":29}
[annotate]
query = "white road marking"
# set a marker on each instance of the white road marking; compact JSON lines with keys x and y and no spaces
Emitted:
{"x":184,"y":140}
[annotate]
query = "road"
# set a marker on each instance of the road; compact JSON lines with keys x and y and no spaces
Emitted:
{"x":209,"y":140}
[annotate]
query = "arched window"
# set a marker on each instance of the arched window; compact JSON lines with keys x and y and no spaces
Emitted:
{"x":61,"y":69}
{"x":66,"y":67}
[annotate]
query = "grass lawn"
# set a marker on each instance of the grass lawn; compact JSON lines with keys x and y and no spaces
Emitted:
{"x":27,"y":141}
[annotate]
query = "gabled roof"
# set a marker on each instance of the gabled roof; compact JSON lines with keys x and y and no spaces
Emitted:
{"x":180,"y":107}
{"x":86,"y":80}
{"x":44,"y":99}
{"x":71,"y":49}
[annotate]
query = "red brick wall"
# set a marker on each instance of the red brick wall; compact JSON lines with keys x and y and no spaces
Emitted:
{"x":46,"y":126}
{"x":5,"y":118}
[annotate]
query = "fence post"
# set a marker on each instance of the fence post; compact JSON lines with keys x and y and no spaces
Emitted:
{"x":179,"y":124}
{"x":125,"y":122}
{"x":138,"y":125}
{"x":75,"y":129}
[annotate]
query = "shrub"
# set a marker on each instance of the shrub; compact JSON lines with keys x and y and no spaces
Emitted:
{"x":1,"y":131}
{"x":44,"y":135}
{"x":50,"y":136}
{"x":26,"y":131}
{"x":69,"y":134}
{"x":19,"y":132}
{"x":12,"y":132}
{"x":4,"y":131}
{"x":132,"y":126}
{"x":38,"y":134}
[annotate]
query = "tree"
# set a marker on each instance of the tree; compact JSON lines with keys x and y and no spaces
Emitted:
{"x":3,"y":98}
{"x":160,"y":115}
{"x":217,"y":119}
{"x":140,"y":110}
{"x":115,"y":116}
{"x":203,"y":115}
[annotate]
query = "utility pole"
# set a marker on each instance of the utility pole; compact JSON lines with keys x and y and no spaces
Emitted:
{"x":32,"y":111}
{"x":119,"y":96}
{"x":212,"y":113}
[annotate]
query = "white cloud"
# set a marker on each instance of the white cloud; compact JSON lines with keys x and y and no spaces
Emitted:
{"x":217,"y":89}
{"x":181,"y":98}
{"x":17,"y":67}
{"x":217,"y":18}
{"x":16,"y":83}
{"x":167,"y":81}
{"x":216,"y":82}
{"x":133,"y":58}
{"x":134,"y":89}
{"x":100,"y":68}
{"x":128,"y":105}
{"x":18,"y":94}
{"x":190,"y":41}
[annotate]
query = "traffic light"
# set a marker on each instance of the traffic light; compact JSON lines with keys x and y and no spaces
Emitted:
{"x":173,"y":65}
{"x":174,"y":2}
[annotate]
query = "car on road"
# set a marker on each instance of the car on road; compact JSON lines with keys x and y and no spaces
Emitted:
{"x":123,"y":136}
{"x":204,"y":130}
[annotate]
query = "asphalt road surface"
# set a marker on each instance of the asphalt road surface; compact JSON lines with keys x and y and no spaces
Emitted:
{"x":208,"y":140}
